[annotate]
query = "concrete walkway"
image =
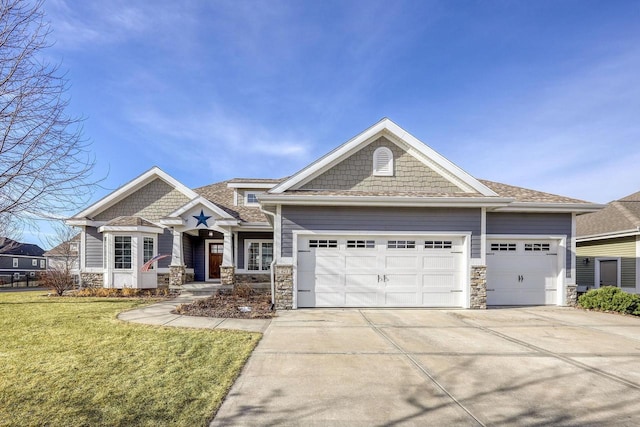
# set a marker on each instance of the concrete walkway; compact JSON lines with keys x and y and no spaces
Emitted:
{"x":516,"y":367}
{"x":160,"y":314}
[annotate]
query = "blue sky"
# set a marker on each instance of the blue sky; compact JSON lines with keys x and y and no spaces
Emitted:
{"x":540,"y":94}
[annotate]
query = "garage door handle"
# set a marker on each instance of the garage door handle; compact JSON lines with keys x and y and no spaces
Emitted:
{"x":490,"y":290}
{"x":455,"y":290}
{"x":304,"y":290}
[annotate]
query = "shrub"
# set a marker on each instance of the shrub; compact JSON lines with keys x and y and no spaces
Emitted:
{"x":610,"y":298}
{"x":58,"y":281}
{"x":117,"y":293}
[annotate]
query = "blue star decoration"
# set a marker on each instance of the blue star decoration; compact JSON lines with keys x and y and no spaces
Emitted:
{"x":202,"y":218}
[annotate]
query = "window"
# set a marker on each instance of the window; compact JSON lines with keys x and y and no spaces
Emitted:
{"x":323,"y":243}
{"x":148,"y":250}
{"x":537,"y":247}
{"x":259,"y":255}
{"x":401,"y":244}
{"x":367,"y":244}
{"x":43,"y":263}
{"x":383,"y":162}
{"x":122,"y":252}
{"x":438,"y":244}
{"x":251,"y":198}
{"x":15,"y":263}
{"x":73,"y":247}
{"x":34,"y":262}
{"x":502,"y":247}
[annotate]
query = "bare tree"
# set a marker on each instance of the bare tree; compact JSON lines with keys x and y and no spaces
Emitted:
{"x":45,"y":164}
{"x":63,"y":259}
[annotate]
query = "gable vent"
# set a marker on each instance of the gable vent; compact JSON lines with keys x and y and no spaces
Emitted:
{"x":383,"y":162}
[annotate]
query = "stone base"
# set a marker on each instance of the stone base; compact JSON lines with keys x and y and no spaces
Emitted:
{"x":572,"y":295}
{"x":284,"y":287}
{"x":163,"y":279}
{"x":177,"y":275}
{"x":227,"y":275}
{"x":92,"y":280}
{"x":478,"y":287}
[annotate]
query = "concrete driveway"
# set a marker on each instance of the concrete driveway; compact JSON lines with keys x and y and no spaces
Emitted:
{"x":515,"y":366}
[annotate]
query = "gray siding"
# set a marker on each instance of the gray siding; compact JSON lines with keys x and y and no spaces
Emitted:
{"x":349,"y":218}
{"x":24,"y":263}
{"x":165,"y":246}
{"x":532,"y":223}
{"x":93,"y":247}
{"x":248,"y":236}
{"x":187,"y":250}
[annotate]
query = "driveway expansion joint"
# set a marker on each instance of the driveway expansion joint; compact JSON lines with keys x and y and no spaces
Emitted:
{"x":421,"y":368}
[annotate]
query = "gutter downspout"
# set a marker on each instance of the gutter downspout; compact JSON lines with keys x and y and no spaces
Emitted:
{"x":273,"y":280}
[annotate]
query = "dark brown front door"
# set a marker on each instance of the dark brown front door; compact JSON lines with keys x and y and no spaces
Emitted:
{"x":215,"y":260}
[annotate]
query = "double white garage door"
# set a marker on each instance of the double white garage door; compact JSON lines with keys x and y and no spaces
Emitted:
{"x":420,"y":271}
{"x":380,"y":271}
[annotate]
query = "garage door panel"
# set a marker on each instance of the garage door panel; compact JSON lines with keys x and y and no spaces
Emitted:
{"x":400,"y":262}
{"x":328,"y":299}
{"x":368,"y":282}
{"x":361,"y":299}
{"x":360,"y":262}
{"x":401,"y":299}
{"x":329,"y":281}
{"x":439,"y":282}
{"x":329,"y":264}
{"x":435,"y":262}
{"x":452,"y":299}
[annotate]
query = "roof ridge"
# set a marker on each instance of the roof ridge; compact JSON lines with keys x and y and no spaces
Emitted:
{"x":633,"y":219}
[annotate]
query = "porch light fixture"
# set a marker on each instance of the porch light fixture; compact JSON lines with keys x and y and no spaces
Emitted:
{"x":586,"y":261}
{"x":210,"y":233}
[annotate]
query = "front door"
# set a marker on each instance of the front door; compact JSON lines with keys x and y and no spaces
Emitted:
{"x":215,"y":260}
{"x":609,"y":273}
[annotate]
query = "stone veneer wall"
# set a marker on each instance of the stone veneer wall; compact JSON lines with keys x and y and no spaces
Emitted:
{"x":479,"y":287}
{"x":572,"y":295}
{"x":177,"y":275}
{"x":92,"y":280}
{"x":284,"y":287}
{"x":227,"y":275}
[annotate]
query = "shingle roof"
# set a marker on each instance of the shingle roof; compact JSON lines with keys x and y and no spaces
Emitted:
{"x":356,"y":193}
{"x":12,"y":247}
{"x":222,"y":196}
{"x":129,"y":221}
{"x":619,"y":215}
{"x":521,"y":194}
{"x":63,"y":248}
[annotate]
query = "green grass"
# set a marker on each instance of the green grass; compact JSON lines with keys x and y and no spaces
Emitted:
{"x":70,"y":362}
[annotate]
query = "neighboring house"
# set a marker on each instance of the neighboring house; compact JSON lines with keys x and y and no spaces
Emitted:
{"x":382,"y":220}
{"x":20,"y":261}
{"x":65,"y":255}
{"x":608,"y":246}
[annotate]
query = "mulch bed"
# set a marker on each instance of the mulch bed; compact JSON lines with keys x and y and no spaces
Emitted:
{"x":228,"y":304}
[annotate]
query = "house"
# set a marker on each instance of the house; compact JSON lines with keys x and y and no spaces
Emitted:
{"x":20,"y":261}
{"x":608,"y":246}
{"x":382,"y":220}
{"x":65,"y":256}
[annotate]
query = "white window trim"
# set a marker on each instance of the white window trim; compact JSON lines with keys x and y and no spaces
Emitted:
{"x":15,"y":263}
{"x":247,"y":243}
{"x":155,"y":251}
{"x":113,"y":252}
{"x":43,"y":263}
{"x":388,"y":170}
{"x":206,"y":258}
{"x":34,"y":263}
{"x":246,"y":198}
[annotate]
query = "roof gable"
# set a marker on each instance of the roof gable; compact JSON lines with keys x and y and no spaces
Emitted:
{"x":442,"y":168}
{"x":131,"y":188}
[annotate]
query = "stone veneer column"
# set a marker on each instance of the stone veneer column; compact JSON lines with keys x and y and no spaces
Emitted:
{"x":572,"y":295}
{"x":176,"y":275}
{"x":284,"y":287}
{"x":479,"y":287}
{"x":92,"y":280}
{"x":227,"y":275}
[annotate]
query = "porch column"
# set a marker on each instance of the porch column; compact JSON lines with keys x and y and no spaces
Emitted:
{"x":227,"y":250}
{"x":176,"y":249}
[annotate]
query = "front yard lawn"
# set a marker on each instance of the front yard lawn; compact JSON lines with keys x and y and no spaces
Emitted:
{"x":69,"y":361}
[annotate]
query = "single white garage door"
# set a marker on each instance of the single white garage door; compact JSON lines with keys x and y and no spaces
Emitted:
{"x":522,"y":272}
{"x":380,"y":271}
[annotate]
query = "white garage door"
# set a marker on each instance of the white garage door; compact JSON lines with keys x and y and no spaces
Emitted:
{"x":522,"y":272}
{"x":380,"y":271}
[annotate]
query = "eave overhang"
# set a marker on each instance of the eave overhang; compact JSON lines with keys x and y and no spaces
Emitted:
{"x":315,"y":200}
{"x":609,"y":235}
{"x":551,"y":207}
